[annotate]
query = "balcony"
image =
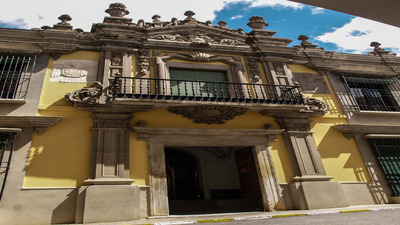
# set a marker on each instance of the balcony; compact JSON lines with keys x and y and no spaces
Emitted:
{"x":205,"y":91}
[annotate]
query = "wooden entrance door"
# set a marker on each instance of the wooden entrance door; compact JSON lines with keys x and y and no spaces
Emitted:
{"x":249,"y":182}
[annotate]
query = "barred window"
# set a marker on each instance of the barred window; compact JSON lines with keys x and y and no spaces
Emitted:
{"x":372,"y":93}
{"x":387,"y":152}
{"x":15,"y":74}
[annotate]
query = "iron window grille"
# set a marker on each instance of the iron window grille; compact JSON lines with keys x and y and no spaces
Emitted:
{"x":15,"y":74}
{"x":373,"y":93}
{"x":7,"y":141}
{"x":387,"y":152}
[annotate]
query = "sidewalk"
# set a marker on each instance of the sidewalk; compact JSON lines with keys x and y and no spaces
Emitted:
{"x":193,"y":219}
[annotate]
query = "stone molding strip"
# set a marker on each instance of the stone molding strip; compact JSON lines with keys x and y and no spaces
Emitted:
{"x":369,"y":131}
{"x":39,"y":123}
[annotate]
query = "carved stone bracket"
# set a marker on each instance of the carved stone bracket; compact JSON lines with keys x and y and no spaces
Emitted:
{"x":88,"y":95}
{"x":316,"y":105}
{"x":208,"y":114}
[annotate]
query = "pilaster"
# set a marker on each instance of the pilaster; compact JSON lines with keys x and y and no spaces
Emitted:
{"x":312,"y":188}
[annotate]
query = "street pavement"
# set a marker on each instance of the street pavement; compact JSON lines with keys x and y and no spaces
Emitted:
{"x":388,"y":214}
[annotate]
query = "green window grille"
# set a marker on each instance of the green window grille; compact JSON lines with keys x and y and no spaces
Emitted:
{"x":15,"y":74}
{"x":6,"y":148}
{"x":388,"y":155}
{"x":198,"y":83}
{"x":372,"y":93}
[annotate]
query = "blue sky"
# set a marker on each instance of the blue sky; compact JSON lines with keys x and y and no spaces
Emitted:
{"x":331,"y":30}
{"x":289,"y":22}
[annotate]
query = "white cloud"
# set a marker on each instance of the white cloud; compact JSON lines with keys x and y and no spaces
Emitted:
{"x":357,"y":35}
{"x":86,"y":12}
{"x":317,"y":10}
{"x":236,"y":17}
{"x":277,"y":4}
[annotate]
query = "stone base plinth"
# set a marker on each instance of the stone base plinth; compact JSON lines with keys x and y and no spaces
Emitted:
{"x":317,"y":195}
{"x":108,"y":203}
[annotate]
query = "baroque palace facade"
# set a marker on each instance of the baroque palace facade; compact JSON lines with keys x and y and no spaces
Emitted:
{"x":132,"y":120}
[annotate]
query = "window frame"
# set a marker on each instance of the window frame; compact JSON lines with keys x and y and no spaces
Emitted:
{"x":371,"y":93}
{"x":15,"y":74}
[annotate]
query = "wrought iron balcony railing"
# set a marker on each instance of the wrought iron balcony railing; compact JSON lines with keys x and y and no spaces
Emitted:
{"x":165,"y":89}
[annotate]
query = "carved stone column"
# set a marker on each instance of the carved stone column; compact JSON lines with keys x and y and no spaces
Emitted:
{"x":311,"y":188}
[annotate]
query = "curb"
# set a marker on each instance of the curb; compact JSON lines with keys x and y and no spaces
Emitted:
{"x":270,"y":216}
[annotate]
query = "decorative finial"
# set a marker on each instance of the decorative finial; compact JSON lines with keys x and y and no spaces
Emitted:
{"x":63,"y":25}
{"x":189,"y":17}
{"x":304,"y":43}
{"x":222,"y":24}
{"x":378,"y":50}
{"x":156,"y":18}
{"x":189,"y":14}
{"x":64,"y":18}
{"x":208,"y":23}
{"x":117,"y":10}
{"x":174,"y":21}
{"x":240,"y":30}
{"x":257,"y":23}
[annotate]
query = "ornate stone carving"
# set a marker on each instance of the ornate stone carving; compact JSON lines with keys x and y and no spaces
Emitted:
{"x":311,"y":83}
{"x":257,"y":23}
{"x":143,"y":62}
{"x":201,"y":56}
{"x":111,"y":121}
{"x":74,"y":71}
{"x":87,"y":95}
{"x":208,"y":114}
{"x":252,"y":66}
{"x":294,"y":124}
{"x":316,"y":105}
{"x":279,"y":70}
{"x":117,"y":10}
{"x":197,"y":38}
{"x":116,"y":59}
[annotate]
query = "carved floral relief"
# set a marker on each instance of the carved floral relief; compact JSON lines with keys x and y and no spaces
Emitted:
{"x":208,"y":114}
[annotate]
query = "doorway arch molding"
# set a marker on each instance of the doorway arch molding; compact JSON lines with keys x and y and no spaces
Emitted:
{"x":157,"y":138}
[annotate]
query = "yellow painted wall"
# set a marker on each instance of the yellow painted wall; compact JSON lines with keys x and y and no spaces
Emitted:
{"x":341,"y":157}
{"x":61,"y":156}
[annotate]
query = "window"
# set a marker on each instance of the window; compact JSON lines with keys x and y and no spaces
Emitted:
{"x":388,"y":155}
{"x":198,"y":83}
{"x":15,"y":73}
{"x":374,"y":93}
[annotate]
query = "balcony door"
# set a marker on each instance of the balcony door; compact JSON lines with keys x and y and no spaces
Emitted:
{"x":198,"y":83}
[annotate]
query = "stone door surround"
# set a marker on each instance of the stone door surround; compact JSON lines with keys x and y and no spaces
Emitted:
{"x":258,"y":139}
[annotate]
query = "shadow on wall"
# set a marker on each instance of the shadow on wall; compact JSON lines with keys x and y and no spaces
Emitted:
{"x":335,"y":145}
{"x":65,"y":212}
